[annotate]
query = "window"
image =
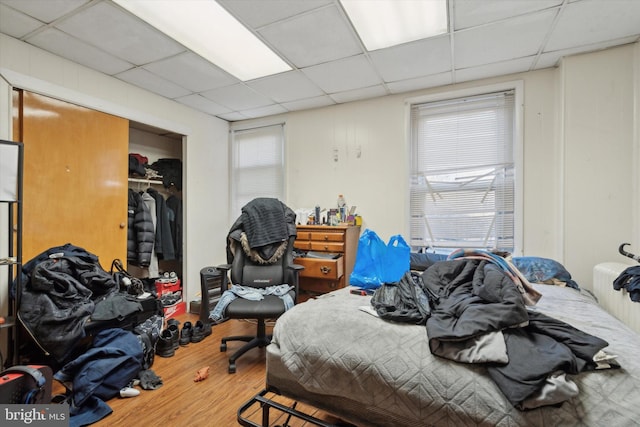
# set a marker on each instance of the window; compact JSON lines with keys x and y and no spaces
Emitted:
{"x":257,"y":165}
{"x":462,"y":183}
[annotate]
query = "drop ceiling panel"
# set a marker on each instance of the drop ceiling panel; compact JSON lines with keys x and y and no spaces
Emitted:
{"x":313,"y":38}
{"x":192,"y":72}
{"x":345,"y":74}
{"x":495,"y":69}
{"x":471,"y":13}
{"x":305,"y":104}
{"x":76,"y":50}
{"x":434,"y":80}
{"x":284,"y":87}
{"x":201,"y":103}
{"x":151,"y":82}
{"x":501,"y":41}
{"x":237,"y":97}
{"x":587,"y":22}
{"x":358,"y":94}
{"x":233,"y":116}
{"x":258,"y":13}
{"x":269,"y":110}
{"x":119,"y":33}
{"x":45,"y":10}
{"x":16,"y":24}
{"x":421,"y":58}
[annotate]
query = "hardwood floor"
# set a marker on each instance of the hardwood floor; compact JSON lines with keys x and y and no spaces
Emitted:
{"x":213,"y":402}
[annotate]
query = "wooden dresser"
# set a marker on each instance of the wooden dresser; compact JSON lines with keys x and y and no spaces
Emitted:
{"x":321,"y":275}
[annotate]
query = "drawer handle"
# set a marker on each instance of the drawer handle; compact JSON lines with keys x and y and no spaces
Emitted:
{"x":326,"y":248}
{"x":325,"y":270}
{"x":326,"y":237}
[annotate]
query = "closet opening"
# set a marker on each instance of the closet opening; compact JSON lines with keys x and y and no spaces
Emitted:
{"x":155,"y":179}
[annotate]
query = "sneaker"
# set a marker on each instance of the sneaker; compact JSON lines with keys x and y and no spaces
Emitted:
{"x":175,"y":335}
{"x":200,"y":331}
{"x":207,"y":328}
{"x":170,"y":299}
{"x":186,"y":333}
{"x":164,"y":347}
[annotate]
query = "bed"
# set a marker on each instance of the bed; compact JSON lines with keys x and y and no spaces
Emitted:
{"x":334,"y":355}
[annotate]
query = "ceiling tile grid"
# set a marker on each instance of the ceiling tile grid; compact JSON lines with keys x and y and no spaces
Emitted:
{"x":330,"y":64}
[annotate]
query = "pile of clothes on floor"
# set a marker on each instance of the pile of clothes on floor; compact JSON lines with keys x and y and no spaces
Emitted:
{"x":98,"y":335}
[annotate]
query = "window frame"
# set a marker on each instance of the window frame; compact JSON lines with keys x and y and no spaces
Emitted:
{"x":518,"y":149}
{"x":234,"y":205}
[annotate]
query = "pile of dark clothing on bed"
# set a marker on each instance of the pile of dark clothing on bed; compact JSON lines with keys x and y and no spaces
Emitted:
{"x":476,"y":308}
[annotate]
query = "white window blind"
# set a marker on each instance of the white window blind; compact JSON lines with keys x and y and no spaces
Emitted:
{"x":257,"y":165}
{"x":462,"y":173}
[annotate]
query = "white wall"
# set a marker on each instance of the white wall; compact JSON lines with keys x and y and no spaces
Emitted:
{"x":368,"y":140}
{"x":204,"y":151}
{"x":600,"y":154}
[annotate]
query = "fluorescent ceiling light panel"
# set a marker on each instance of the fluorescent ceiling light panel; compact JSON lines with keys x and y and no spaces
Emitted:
{"x":385,"y":23}
{"x":209,"y":30}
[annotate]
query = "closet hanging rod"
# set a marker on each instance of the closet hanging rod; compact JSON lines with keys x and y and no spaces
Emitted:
{"x":145,"y":181}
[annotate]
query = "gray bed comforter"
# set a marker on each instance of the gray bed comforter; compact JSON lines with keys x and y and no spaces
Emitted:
{"x":334,"y":353}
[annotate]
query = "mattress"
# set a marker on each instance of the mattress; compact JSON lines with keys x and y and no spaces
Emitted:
{"x":332,"y":354}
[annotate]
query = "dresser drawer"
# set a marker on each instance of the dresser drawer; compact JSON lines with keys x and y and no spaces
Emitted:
{"x":311,"y":245}
{"x":321,"y":236}
{"x":319,"y":286}
{"x":321,"y":268}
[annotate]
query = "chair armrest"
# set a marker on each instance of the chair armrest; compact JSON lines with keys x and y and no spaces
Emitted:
{"x":296,"y":268}
{"x":224,"y":283}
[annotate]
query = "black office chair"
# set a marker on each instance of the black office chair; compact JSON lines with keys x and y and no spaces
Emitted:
{"x":259,"y":256}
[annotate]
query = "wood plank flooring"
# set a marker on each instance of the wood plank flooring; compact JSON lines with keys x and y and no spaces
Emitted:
{"x":213,"y":402}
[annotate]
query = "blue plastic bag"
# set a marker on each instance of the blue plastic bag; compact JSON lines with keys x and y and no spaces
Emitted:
{"x":368,"y":269}
{"x":396,"y":260}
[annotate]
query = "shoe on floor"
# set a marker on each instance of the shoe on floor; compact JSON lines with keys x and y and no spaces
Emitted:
{"x":164,"y":346}
{"x":186,"y":333}
{"x":175,"y":335}
{"x":207,"y":328}
{"x":200,"y":331}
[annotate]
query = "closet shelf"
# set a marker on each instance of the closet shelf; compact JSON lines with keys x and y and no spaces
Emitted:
{"x":146,"y":181}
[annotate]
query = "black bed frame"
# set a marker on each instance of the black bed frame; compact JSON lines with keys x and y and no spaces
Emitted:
{"x":268,"y":404}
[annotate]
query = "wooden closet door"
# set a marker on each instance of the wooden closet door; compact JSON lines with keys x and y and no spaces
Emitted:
{"x":75,"y":177}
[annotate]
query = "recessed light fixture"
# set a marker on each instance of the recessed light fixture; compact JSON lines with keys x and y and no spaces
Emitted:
{"x":385,"y":23}
{"x":208,"y":29}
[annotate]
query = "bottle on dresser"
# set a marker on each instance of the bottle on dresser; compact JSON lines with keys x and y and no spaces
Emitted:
{"x":342,"y":208}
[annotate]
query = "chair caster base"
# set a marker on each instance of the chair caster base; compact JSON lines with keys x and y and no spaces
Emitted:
{"x":232,"y":368}
{"x":223,"y":346}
